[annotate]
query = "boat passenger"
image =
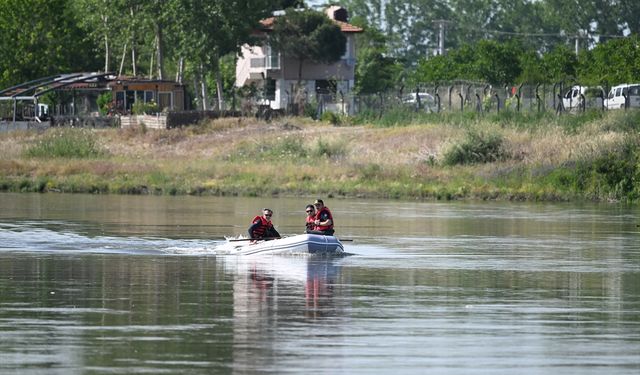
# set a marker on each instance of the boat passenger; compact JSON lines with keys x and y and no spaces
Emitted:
{"x":262,"y":227}
{"x":323,"y":223}
{"x":311,"y":218}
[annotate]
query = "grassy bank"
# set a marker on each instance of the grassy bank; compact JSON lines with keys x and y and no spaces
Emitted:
{"x":510,"y":156}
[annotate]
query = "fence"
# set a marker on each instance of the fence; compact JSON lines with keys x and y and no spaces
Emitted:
{"x":562,"y":97}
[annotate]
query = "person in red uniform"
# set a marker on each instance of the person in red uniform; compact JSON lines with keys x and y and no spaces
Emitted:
{"x":310,"y":219}
{"x":324,"y":220}
{"x":262,"y":227}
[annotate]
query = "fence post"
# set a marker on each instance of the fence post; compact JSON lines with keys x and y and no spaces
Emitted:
{"x":518,"y":96}
{"x":484,"y":95}
{"x":478,"y":103}
{"x":559,"y":107}
{"x":555,"y":86}
{"x":538,"y":97}
{"x":418,"y":102}
{"x":461,"y":102}
{"x":450,"y":90}
{"x":437,"y":97}
{"x":583,"y":103}
{"x":602,"y":95}
{"x":497,"y":103}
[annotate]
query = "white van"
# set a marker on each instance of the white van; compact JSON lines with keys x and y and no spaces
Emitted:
{"x":616,"y":97}
{"x":573,"y":99}
{"x":427,"y":101}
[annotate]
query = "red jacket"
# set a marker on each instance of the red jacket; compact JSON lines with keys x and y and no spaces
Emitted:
{"x":309,"y":222}
{"x":324,"y":211}
{"x":259,"y":226}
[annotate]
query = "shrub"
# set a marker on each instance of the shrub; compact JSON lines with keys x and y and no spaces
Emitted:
{"x":65,"y":143}
{"x":141,"y":108}
{"x":477,"y":147}
{"x":104,"y":102}
{"x":331,"y":117}
{"x":330,"y":150}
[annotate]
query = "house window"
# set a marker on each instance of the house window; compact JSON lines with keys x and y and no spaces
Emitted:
{"x":165,"y":100}
{"x":272,"y":59}
{"x":326,"y":87}
{"x":270,"y":89}
{"x":148,"y":96}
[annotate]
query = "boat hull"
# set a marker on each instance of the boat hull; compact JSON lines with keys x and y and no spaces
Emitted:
{"x":302,"y":244}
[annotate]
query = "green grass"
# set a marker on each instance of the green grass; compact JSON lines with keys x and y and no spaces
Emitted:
{"x":510,"y":156}
{"x":64,"y":143}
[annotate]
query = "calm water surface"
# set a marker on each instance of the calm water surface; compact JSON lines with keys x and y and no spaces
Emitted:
{"x":123,"y":284}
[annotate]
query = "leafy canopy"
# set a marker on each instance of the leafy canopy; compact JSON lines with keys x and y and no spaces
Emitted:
{"x":308,"y":35}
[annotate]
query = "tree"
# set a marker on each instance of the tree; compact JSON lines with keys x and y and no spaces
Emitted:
{"x":375,"y":70}
{"x":208,"y":30}
{"x":498,"y":63}
{"x":41,"y":38}
{"x":611,"y":63}
{"x":102,"y":22}
{"x":559,"y":64}
{"x":308,"y":36}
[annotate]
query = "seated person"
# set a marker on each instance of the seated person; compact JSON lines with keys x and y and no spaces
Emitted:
{"x":262,"y":227}
{"x":310,"y":219}
{"x":323,"y":223}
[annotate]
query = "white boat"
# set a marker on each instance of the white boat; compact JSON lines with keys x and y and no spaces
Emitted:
{"x":302,"y":244}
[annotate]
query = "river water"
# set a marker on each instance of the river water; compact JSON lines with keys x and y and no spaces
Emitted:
{"x":95,"y":284}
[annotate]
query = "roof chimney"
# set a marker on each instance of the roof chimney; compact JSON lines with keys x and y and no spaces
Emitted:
{"x":337,"y":13}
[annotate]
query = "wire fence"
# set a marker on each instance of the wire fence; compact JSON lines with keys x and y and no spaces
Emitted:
{"x":563,"y":97}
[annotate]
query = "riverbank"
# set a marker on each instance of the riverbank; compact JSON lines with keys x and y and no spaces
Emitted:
{"x":511,"y":156}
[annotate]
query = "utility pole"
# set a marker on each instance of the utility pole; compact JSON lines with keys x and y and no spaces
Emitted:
{"x":383,"y":15}
{"x":441,"y":25}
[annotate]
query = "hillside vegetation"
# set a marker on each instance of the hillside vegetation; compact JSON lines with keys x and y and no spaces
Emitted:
{"x":511,"y":156}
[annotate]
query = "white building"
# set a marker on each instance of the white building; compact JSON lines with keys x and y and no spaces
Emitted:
{"x":278,"y":76}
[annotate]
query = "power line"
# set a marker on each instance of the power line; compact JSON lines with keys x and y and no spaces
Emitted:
{"x":541,"y":35}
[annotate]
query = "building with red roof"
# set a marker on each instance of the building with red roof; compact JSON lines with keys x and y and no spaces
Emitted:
{"x":277,"y":75}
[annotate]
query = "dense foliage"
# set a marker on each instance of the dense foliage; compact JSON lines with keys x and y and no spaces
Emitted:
{"x":308,"y":36}
{"x":195,"y":41}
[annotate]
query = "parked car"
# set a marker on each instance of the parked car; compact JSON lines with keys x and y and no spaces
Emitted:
{"x":573,"y":99}
{"x":616,"y":97}
{"x":426,"y":101}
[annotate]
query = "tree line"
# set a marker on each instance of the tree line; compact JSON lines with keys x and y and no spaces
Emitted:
{"x":193,"y":40}
{"x":594,"y":42}
{"x":196,"y":41}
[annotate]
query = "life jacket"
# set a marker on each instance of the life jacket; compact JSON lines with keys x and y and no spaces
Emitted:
{"x":262,"y":228}
{"x":309,"y":222}
{"x":319,"y":214}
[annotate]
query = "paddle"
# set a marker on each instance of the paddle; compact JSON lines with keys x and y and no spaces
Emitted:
{"x":254,"y":239}
{"x":275,"y":238}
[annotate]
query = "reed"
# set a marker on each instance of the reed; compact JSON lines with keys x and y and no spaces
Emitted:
{"x":64,"y":143}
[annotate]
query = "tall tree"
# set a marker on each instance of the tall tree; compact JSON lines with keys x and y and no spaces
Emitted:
{"x":376,"y":71}
{"x":308,"y":36}
{"x":40,"y":38}
{"x":614,"y":62}
{"x":209,"y":30}
{"x":630,"y":15}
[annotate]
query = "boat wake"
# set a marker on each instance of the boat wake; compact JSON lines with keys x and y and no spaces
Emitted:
{"x":64,"y":237}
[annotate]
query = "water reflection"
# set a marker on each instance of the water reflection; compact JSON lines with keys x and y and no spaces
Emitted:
{"x":93,"y":284}
{"x":259,"y":280}
{"x":274,"y":296}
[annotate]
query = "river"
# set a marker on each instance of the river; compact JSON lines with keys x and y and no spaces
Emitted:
{"x":102,"y":284}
